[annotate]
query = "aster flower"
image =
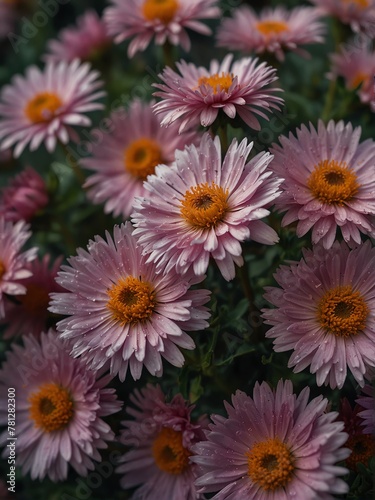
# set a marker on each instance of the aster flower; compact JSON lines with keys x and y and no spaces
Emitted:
{"x":122,"y":312}
{"x":28,"y":313}
{"x":325,"y":312}
{"x":367,"y":401}
{"x":59,"y":409}
{"x":13,"y":262}
{"x":203,"y":207}
{"x":161,"y":434}
{"x":196,"y":95}
{"x":43,"y":106}
{"x":328,"y":182}
{"x":359,"y":14}
{"x":275,"y":445}
{"x":166,"y":20}
{"x":272,"y":30}
{"x":126,"y":156}
{"x":357,"y":67}
{"x":24,"y":197}
{"x":83,"y":41}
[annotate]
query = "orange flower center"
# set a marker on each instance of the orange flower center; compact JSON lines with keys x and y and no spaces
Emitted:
{"x":141,"y":157}
{"x":270,"y":464}
{"x":36,"y":299}
{"x":342,"y":311}
{"x":164,"y":10}
{"x":217,"y":82}
{"x":2,"y":269}
{"x":359,"y":79}
{"x":270,"y":28}
{"x":332,"y":182}
{"x":363,"y":448}
{"x":169,"y":453}
{"x":362,"y":4}
{"x":204,"y":206}
{"x":51,"y":407}
{"x":131,"y":300}
{"x":42,"y":107}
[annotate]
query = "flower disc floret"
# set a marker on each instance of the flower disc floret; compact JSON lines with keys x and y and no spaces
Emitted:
{"x":51,"y":407}
{"x":142,"y":156}
{"x":169,"y":453}
{"x":164,"y":10}
{"x":204,"y":205}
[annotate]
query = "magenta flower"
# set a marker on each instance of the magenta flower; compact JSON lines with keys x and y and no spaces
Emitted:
{"x":28,"y":313}
{"x":359,"y":14}
{"x":273,"y":446}
{"x":367,"y":401}
{"x":13,"y":263}
{"x":25,"y":196}
{"x":59,"y":409}
{"x":203,"y":207}
{"x":83,"y":41}
{"x":166,"y":20}
{"x":44,"y":105}
{"x":272,"y":30}
{"x":122,"y":161}
{"x":122,"y":312}
{"x":325,"y":312}
{"x":328,"y":182}
{"x":161,"y":436}
{"x":196,"y":95}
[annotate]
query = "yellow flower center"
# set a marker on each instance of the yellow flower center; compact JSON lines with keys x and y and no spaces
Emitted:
{"x":270,"y":464}
{"x":217,"y":82}
{"x":359,"y":79}
{"x":205,"y":205}
{"x":35,"y":300}
{"x":342,"y":311}
{"x":164,"y":10}
{"x":51,"y":407}
{"x":131,"y":300}
{"x":362,"y":4}
{"x":42,"y":107}
{"x":169,"y":454}
{"x":141,"y":157}
{"x":270,"y":28}
{"x":332,"y":182}
{"x":2,"y":269}
{"x":363,"y":448}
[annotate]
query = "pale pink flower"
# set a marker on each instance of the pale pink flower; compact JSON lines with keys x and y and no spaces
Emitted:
{"x":272,"y":30}
{"x":357,"y":66}
{"x":359,"y":14}
{"x":161,"y":435}
{"x":128,"y":154}
{"x":83,"y":41}
{"x":44,"y":105}
{"x":24,"y":197}
{"x":367,"y":400}
{"x":328,"y":182}
{"x":122,"y":312}
{"x":197,"y":94}
{"x":204,"y":207}
{"x":167,"y":21}
{"x":28,"y":313}
{"x":59,"y":409}
{"x":325,"y":312}
{"x":13,"y":262}
{"x":274,"y":446}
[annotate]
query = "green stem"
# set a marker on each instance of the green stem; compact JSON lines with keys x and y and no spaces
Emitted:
{"x":330,"y":98}
{"x":223,"y":134}
{"x":75,"y":167}
{"x":169,"y":59}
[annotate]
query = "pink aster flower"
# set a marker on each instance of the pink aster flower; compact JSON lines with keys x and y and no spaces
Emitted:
{"x":359,"y":14}
{"x":357,"y":67}
{"x":59,"y":409}
{"x":83,"y":41}
{"x":161,"y":434}
{"x":124,"y":313}
{"x":196,"y":95}
{"x":13,"y":262}
{"x":367,"y":401}
{"x":273,"y":446}
{"x":272,"y":30}
{"x":43,"y":106}
{"x":328,"y":182}
{"x":24,"y":197}
{"x":28,"y":313}
{"x":203,"y":207}
{"x":325,"y":312}
{"x":166,"y":20}
{"x":126,"y":156}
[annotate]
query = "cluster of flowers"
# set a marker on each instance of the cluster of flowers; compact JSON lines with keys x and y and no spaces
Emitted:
{"x":187,"y":197}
